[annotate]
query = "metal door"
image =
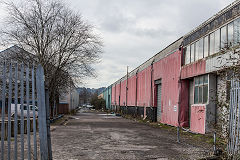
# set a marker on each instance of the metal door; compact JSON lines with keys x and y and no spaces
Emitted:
{"x":159,"y":104}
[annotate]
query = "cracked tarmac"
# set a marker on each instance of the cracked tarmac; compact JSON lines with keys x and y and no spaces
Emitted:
{"x":96,"y":135}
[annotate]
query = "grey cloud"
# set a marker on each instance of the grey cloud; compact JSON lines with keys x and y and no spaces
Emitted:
{"x":135,"y":30}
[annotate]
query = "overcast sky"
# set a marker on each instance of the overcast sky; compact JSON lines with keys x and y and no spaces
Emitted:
{"x":135,"y":30}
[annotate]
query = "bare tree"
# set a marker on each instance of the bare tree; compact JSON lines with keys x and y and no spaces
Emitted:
{"x":59,"y":39}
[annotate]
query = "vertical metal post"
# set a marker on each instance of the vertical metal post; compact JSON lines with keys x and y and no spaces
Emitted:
{"x":16,"y":112}
{"x":28,"y":113}
{"x":230,"y":119}
{"x":48,"y":125}
{"x":3,"y":110}
{"x":42,"y":112}
{"x":34,"y":116}
{"x":214,"y":142}
{"x":238,"y":117}
{"x":9,"y":109}
{"x":178,"y":134}
{"x":22,"y":116}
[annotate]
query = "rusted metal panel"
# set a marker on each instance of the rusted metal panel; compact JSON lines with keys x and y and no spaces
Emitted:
{"x":113,"y":97}
{"x":123,"y":93}
{"x":198,"y":118}
{"x":131,"y":96}
{"x":194,"y":69}
{"x":144,"y":87}
{"x":184,"y":103}
{"x":118,"y":87}
{"x":168,"y":70}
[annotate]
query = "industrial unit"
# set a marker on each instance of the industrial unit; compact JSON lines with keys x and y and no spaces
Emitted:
{"x":180,"y":85}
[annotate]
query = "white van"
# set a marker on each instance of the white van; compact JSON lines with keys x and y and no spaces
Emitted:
{"x":24,"y":110}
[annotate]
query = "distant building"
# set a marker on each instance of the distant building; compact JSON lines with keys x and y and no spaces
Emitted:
{"x":68,"y":101}
{"x":100,"y":96}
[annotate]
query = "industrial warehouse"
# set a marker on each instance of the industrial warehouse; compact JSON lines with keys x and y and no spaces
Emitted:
{"x":185,"y":83}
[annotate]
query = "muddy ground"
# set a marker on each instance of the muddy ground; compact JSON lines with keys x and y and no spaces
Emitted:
{"x":97,"y":135}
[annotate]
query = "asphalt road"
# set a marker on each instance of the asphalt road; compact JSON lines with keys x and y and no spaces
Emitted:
{"x":95,"y":135}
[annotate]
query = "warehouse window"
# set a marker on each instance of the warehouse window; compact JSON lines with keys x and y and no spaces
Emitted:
{"x":236,"y":31}
{"x":187,"y":55}
{"x":224,"y":37}
{"x":217,"y":41}
{"x":201,"y":89}
{"x":227,"y":35}
{"x":200,"y":49}
{"x":196,"y":50}
{"x":206,"y":39}
{"x":192,"y":52}
{"x":230,"y":34}
{"x":212,"y":43}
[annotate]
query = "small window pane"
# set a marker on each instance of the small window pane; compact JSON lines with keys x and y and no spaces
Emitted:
{"x":196,"y":81}
{"x":200,"y":94}
{"x":205,"y":93}
{"x":205,"y":46}
{"x":196,"y":94}
{"x":223,"y":37}
{"x":200,"y":56}
{"x":192,"y":52}
{"x":201,"y":80}
{"x":205,"y":79}
{"x":212,"y":43}
{"x":199,"y":49}
{"x":196,"y":50}
{"x":217,"y":40}
{"x":236,"y":31}
{"x":187,"y":55}
{"x":230,"y":34}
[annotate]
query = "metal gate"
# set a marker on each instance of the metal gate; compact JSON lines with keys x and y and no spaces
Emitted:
{"x":234,"y":121}
{"x":159,"y":104}
{"x":23,"y":113}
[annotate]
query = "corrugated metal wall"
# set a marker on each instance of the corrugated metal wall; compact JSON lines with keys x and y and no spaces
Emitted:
{"x":118,"y":87}
{"x":144,"y":87}
{"x":168,"y":70}
{"x":131,"y":97}
{"x":113,"y":97}
{"x":123,"y":93}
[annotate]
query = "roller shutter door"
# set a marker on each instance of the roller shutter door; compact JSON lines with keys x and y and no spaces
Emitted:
{"x":159,"y":106}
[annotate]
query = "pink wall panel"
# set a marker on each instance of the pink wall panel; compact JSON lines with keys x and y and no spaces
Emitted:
{"x":113,"y":95}
{"x":197,"y":68}
{"x":131,"y":97}
{"x":123,"y":93}
{"x":144,"y":87}
{"x":117,"y":93}
{"x":168,"y":70}
{"x":197,"y":123}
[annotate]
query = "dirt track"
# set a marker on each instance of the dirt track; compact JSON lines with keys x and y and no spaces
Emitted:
{"x":92,"y":135}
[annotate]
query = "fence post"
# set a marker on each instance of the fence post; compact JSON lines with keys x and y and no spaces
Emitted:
{"x":48,"y":125}
{"x":42,"y":112}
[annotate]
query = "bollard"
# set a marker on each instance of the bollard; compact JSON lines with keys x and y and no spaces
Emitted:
{"x":214,"y":143}
{"x":178,"y":134}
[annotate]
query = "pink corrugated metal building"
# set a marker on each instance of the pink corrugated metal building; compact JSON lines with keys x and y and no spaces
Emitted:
{"x":179,"y":85}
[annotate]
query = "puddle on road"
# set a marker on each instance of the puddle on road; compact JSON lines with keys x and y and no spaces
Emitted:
{"x":128,"y":147}
{"x":109,"y":115}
